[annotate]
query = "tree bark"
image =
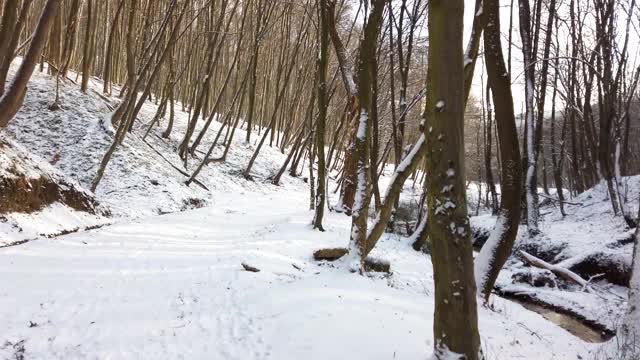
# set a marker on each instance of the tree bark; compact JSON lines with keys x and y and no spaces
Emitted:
{"x":360,"y":210}
{"x":498,"y":248}
{"x":323,"y":104}
{"x":12,"y":99}
{"x":531,"y":183}
{"x":87,"y":48}
{"x":455,"y":316}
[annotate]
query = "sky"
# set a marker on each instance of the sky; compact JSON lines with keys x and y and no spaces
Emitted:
{"x":517,"y":58}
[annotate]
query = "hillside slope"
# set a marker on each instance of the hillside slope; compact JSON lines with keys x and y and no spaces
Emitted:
{"x":144,"y":178}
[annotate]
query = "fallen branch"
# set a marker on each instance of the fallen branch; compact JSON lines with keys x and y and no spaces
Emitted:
{"x":593,"y":278}
{"x":173,"y":166}
{"x":104,"y":98}
{"x":568,"y":275}
{"x":533,"y":333}
{"x":559,"y":271}
{"x":558,"y":200}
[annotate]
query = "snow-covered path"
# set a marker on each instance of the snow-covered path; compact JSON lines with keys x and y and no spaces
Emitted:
{"x":172,"y":287}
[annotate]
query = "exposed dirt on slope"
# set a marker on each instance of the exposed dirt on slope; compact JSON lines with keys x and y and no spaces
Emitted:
{"x":26,"y":188}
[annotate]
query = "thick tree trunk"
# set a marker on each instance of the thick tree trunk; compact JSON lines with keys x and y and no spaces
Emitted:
{"x":455,"y":325}
{"x":9,"y":30}
{"x":557,"y":158}
{"x":70,"y":37}
{"x":12,"y":42}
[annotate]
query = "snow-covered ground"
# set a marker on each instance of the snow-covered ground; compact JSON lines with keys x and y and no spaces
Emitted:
{"x":589,"y":240}
{"x":138,"y":182}
{"x":165,"y":280}
{"x":172,"y":286}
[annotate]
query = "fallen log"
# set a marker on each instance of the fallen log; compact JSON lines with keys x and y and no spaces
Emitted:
{"x":371,"y":264}
{"x":559,"y":271}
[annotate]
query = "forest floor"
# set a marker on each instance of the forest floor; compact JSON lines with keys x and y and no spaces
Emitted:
{"x":589,"y":241}
{"x":172,"y":286}
{"x":162,"y":278}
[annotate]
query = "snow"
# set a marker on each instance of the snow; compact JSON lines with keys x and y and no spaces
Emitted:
{"x":442,"y":352}
{"x":632,"y":319}
{"x":351,"y":83}
{"x":18,"y":163}
{"x":50,"y":221}
{"x":467,"y":61}
{"x":171,"y":286}
{"x":362,"y":124}
{"x":163,"y":279}
{"x":138,"y":182}
{"x":441,"y":209}
{"x":361,"y":186}
{"x":590,"y":230}
{"x":483,"y":261}
{"x":480,"y":10}
{"x":451,"y":172}
{"x":446,"y":189}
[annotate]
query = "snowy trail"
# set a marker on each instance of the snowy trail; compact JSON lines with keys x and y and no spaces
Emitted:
{"x":171,"y":287}
{"x":158,"y":277}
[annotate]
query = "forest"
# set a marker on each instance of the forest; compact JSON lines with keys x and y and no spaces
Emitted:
{"x":320,"y":179}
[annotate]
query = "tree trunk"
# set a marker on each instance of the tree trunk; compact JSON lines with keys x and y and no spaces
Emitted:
{"x":323,"y":104}
{"x":491,"y":186}
{"x":455,"y":325}
{"x":531,"y":184}
{"x":87,"y":48}
{"x":12,"y":99}
{"x":362,"y":156}
{"x":497,"y":249}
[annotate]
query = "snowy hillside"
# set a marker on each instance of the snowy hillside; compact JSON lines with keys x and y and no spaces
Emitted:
{"x":145,"y":177}
{"x":590,"y":241}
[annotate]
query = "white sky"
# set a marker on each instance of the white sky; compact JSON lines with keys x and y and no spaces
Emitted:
{"x":516,"y":54}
